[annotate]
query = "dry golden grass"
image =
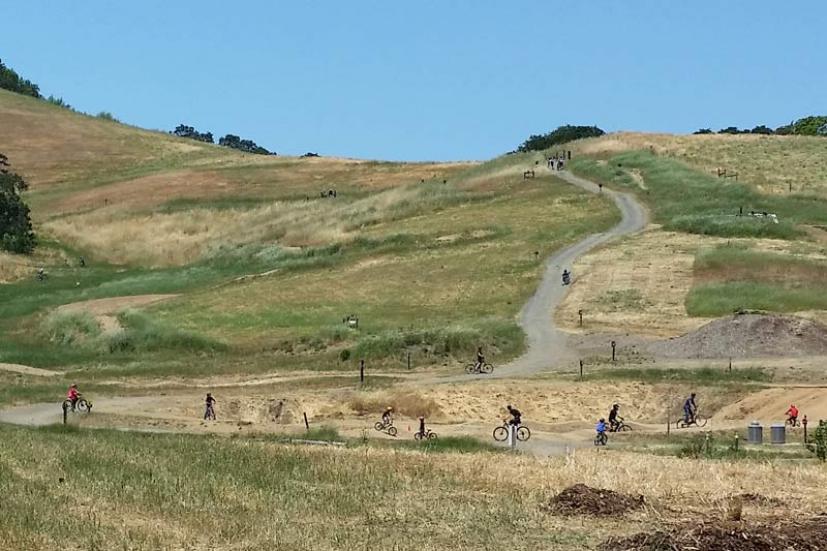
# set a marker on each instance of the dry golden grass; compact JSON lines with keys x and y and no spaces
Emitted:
{"x":163,"y":491}
{"x":771,"y":163}
{"x":177,"y":238}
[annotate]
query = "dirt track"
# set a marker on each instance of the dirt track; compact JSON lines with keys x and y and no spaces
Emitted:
{"x":547,"y":344}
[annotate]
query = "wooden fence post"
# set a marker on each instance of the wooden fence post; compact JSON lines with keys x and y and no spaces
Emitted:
{"x":306,"y":422}
{"x":361,"y":371}
{"x":614,"y":346}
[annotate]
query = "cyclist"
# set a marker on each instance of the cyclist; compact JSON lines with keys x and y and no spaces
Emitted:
{"x":387,"y":416}
{"x":614,"y":424}
{"x":566,"y":277}
{"x":73,"y":395}
{"x":792,"y":415}
{"x":516,"y":416}
{"x":422,"y":431}
{"x":600,"y":427}
{"x":480,"y":359}
{"x":209,"y":412}
{"x":690,"y":409}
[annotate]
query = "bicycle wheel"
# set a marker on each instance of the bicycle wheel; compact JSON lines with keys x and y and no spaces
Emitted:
{"x":379,"y":426}
{"x":417,"y":436}
{"x":700,"y":421}
{"x":523,"y":433}
{"x":487,"y":368}
{"x":680,"y":424}
{"x":431,"y":436}
{"x":624,"y":428}
{"x":602,"y":439}
{"x":82,"y":405}
{"x":470,"y":368}
{"x":67,"y":405}
{"x":392,"y":431}
{"x":500,"y":434}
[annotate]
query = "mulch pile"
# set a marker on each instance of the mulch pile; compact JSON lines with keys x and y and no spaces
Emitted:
{"x":809,"y":535}
{"x":584,"y":500}
{"x":748,"y":336}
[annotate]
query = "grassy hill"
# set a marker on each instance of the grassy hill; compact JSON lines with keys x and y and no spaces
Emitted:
{"x":435,"y":258}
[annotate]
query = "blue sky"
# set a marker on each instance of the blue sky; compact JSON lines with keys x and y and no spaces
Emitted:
{"x":428,"y":79}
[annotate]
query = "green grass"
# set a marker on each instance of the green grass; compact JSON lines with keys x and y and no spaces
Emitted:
{"x":736,"y":278}
{"x":684,"y":199}
{"x":715,"y":299}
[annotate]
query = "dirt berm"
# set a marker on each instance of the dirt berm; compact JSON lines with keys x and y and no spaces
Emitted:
{"x":584,"y":500}
{"x":809,"y":535}
{"x":748,"y":336}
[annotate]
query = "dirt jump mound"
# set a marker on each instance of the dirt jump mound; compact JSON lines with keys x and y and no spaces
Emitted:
{"x":809,"y":535}
{"x":584,"y":500}
{"x":748,"y":336}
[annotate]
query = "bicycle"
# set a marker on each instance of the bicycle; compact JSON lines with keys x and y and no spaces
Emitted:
{"x":620,"y":426}
{"x":387,"y":428}
{"x":696,"y":420}
{"x":601,"y":439}
{"x":427,"y":435}
{"x":82,"y":405}
{"x":792,"y":422}
{"x":474,"y":367}
{"x":501,"y":433}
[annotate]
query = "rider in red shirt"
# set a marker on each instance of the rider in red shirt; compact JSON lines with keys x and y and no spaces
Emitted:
{"x":793,"y":414}
{"x":73,"y":395}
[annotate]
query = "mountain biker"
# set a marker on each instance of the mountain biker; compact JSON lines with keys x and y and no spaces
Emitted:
{"x":516,"y":416}
{"x":566,"y":277}
{"x":73,"y":395}
{"x":690,"y":409}
{"x":480,"y":359}
{"x":613,"y":422}
{"x":209,"y":412}
{"x":387,"y":416}
{"x":792,"y":415}
{"x":422,"y":431}
{"x":600,"y":427}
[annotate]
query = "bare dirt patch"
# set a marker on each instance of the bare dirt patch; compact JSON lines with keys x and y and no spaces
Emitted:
{"x":728,"y":536}
{"x":748,"y":336}
{"x":584,"y":500}
{"x":105,"y":310}
{"x":26,"y":370}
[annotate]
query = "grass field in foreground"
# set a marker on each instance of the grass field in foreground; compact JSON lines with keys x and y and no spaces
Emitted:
{"x":112,"y":490}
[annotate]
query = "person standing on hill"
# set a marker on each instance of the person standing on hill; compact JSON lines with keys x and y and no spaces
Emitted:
{"x":209,"y":411}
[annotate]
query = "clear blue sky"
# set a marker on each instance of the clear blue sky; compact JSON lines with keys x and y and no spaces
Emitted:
{"x":428,"y":79}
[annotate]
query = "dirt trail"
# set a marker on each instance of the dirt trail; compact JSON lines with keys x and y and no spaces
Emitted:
{"x":26,"y":370}
{"x":547,"y":344}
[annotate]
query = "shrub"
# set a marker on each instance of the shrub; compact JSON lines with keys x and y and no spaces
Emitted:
{"x":16,"y":233}
{"x":562,"y":134}
{"x":107,"y":116}
{"x":72,"y":329}
{"x":10,"y":80}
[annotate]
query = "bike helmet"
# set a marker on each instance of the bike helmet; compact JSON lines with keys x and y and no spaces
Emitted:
{"x":74,"y":385}
{"x":616,"y":406}
{"x":602,"y":420}
{"x":389,"y":408}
